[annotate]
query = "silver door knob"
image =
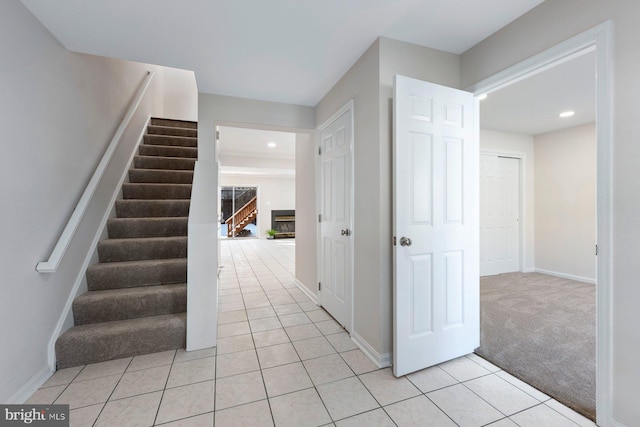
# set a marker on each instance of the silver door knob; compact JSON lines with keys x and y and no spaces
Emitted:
{"x":345,"y":232}
{"x":405,"y":241}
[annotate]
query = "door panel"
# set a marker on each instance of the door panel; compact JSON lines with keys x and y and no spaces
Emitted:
{"x":499,"y":214}
{"x":436,"y":285}
{"x":336,"y":293}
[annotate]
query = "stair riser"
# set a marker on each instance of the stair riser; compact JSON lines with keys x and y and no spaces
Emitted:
{"x":142,"y":249}
{"x":95,"y":308}
{"x":171,"y":131}
{"x":173,"y":123}
{"x":116,"y":275}
{"x":160,"y":176}
{"x":86,"y":346}
{"x":151,"y":208}
{"x":170,"y":141}
{"x":147,"y":227}
{"x":166,"y":151}
{"x":156,"y":191}
{"x":163,"y":163}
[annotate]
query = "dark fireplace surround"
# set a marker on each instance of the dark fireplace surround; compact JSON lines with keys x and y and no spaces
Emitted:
{"x":284,"y":223}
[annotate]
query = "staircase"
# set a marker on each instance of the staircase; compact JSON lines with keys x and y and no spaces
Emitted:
{"x":243,"y":217}
{"x":137,"y":294}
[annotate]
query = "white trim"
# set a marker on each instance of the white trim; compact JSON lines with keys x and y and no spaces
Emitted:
{"x":31,"y":386}
{"x":306,"y":291}
{"x":599,"y":38}
{"x":522,"y":166}
{"x":52,"y":264}
{"x":615,"y":423}
{"x":380,"y":360}
{"x":349,"y":107}
{"x":66,"y":311}
{"x":566,"y":276}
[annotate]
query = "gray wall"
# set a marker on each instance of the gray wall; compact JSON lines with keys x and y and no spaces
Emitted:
{"x":548,"y":24}
{"x":565,"y":212}
{"x":58,"y":112}
{"x":306,"y":224}
{"x":370,"y":83}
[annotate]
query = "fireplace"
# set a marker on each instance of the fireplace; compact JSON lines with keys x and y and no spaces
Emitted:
{"x":284,"y":223}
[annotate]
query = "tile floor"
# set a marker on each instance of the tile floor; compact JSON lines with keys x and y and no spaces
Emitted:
{"x":283,"y":361}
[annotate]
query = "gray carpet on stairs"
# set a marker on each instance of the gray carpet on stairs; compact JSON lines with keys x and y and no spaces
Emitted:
{"x":542,"y":329}
{"x":137,"y":294}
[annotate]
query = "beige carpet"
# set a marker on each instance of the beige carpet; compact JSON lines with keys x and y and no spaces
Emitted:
{"x":542,"y":329}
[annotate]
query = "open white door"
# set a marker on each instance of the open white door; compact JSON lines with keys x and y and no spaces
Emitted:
{"x":436,"y":227}
{"x":336,"y":271}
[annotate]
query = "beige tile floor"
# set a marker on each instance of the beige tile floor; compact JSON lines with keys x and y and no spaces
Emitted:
{"x":283,"y":361}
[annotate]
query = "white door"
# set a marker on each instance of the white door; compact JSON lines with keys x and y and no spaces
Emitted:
{"x":336,"y":236}
{"x":436,"y":280}
{"x":499,"y":214}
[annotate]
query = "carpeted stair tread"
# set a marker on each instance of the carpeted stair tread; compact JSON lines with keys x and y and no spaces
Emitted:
{"x":158,"y":162}
{"x":168,"y":151}
{"x":157,"y":121}
{"x":147,"y":227}
{"x":138,"y":249}
{"x":99,"y":342}
{"x":170,"y":141}
{"x":130,"y":274}
{"x":156,"y":191}
{"x":137,"y":292}
{"x":129,"y":303}
{"x":160,"y":176}
{"x":135,"y":208}
{"x":172,"y":131}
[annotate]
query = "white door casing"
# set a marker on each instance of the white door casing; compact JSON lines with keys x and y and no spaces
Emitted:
{"x":336,"y":226}
{"x":436,"y":276}
{"x":499,"y":214}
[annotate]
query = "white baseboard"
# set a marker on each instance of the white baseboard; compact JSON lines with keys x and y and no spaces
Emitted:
{"x":380,"y":360}
{"x":306,"y":291}
{"x":66,"y":311}
{"x":566,"y":276}
{"x":30,"y":386}
{"x":528,"y":270}
{"x":615,"y":423}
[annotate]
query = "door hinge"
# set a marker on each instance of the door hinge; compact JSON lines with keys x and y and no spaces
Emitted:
{"x":596,"y":250}
{"x":319,"y":151}
{"x":394,"y":241}
{"x":217,"y":135}
{"x":319,"y":286}
{"x":319,"y":217}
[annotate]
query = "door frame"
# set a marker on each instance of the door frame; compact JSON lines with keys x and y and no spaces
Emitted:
{"x":522,"y":205}
{"x":598,"y":39}
{"x":346,"y":108}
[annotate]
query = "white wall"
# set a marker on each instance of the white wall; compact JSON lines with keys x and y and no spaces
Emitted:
{"x":179,"y":91}
{"x":58,"y":112}
{"x":517,"y":144}
{"x":565,"y":212}
{"x":306,"y":223}
{"x":273,"y":194}
{"x":550,"y":23}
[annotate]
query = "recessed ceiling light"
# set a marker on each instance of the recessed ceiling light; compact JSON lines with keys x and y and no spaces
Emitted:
{"x":567,"y":114}
{"x":271,"y":145}
{"x":482,"y":97}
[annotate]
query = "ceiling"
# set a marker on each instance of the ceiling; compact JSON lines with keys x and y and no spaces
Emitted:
{"x":532,"y":106}
{"x":253,"y":143}
{"x":288,"y":51}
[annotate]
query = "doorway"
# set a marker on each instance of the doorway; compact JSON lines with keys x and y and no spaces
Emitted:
{"x":596,"y":40}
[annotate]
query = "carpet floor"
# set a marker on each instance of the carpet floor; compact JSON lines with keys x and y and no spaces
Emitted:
{"x":542,"y":329}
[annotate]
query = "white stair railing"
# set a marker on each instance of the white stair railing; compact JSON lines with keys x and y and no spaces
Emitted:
{"x":51,"y":265}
